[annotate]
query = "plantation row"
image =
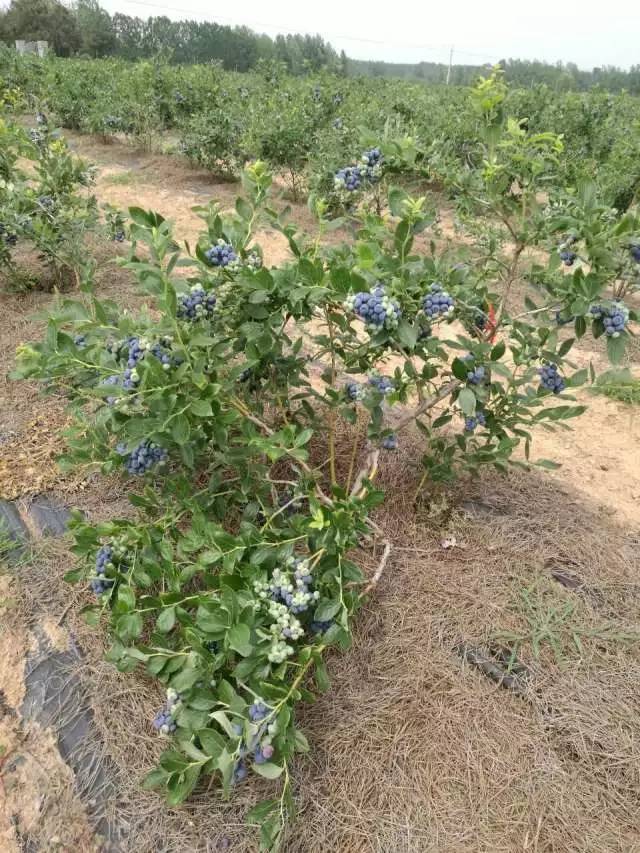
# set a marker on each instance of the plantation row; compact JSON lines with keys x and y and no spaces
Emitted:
{"x":255,"y":484}
{"x":308,"y":128}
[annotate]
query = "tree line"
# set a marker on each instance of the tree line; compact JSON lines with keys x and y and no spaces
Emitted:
{"x":87,"y":29}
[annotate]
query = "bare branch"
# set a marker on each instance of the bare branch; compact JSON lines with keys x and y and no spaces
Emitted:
{"x":373,"y":583}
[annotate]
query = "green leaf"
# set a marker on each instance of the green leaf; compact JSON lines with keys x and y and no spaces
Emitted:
{"x":154,"y":779}
{"x":407,"y":334}
{"x":467,"y":401}
{"x":180,"y":429}
{"x":301,"y":743}
{"x":166,"y":620}
{"x":239,"y":638}
{"x":201,"y":408}
{"x":615,"y":348}
{"x":498,"y":351}
{"x":326,"y":610}
{"x":261,"y":811}
{"x":245,"y":211}
{"x":268,"y":770}
{"x":321,"y":676}
{"x":129,"y":626}
{"x":212,"y":742}
{"x":180,"y":785}
{"x":548,"y":464}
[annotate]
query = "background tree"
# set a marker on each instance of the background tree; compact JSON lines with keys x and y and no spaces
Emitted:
{"x":47,"y":20}
{"x":97,"y":33}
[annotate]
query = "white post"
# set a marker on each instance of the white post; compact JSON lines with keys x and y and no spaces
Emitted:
{"x":450,"y":64}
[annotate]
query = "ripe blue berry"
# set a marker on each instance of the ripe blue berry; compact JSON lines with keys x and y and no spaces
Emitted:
{"x":614,"y":317}
{"x":477,"y":375}
{"x":382,"y":383}
{"x":369,"y":169}
{"x":550,"y":379}
{"x":376,"y":309}
{"x":390,"y":442}
{"x":634,"y":248}
{"x":437,"y":302}
{"x":221,"y":255}
{"x":240,"y":772}
{"x":144,"y":457}
{"x":258,"y":711}
{"x":354,"y":391}
{"x":197,"y":304}
{"x":471,"y":423}
{"x":164,"y":721}
{"x":567,"y":257}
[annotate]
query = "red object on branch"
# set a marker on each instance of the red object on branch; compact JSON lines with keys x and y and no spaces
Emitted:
{"x":491,"y":324}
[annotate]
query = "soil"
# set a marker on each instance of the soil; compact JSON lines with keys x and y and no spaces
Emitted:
{"x":412,"y":750}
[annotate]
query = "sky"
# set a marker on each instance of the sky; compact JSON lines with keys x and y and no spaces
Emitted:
{"x":589,"y":34}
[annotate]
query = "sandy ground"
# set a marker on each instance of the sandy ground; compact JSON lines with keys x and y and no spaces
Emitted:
{"x":411,"y":749}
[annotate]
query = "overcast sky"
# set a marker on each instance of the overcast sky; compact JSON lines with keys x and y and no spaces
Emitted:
{"x":587,"y":33}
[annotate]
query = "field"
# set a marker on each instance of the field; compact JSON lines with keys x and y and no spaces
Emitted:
{"x":427,"y":739}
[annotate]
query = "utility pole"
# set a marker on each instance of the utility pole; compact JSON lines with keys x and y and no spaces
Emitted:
{"x":450,"y":64}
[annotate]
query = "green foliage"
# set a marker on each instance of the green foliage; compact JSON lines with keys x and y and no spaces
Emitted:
{"x":553,"y":624}
{"x":47,"y":20}
{"x":45,"y":205}
{"x":618,"y":385}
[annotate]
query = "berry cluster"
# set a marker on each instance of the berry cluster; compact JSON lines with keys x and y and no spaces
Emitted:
{"x":9,"y":238}
{"x":348,"y":179}
{"x":254,"y":260}
{"x":567,"y":255}
{"x":119,"y":235}
{"x":476,"y":420}
{"x":80,"y":341}
{"x":41,"y":119}
{"x":376,"y":309}
{"x":390,"y":442}
{"x":178,"y":97}
{"x":320,"y":627}
{"x":550,"y":379}
{"x":477,"y":375}
{"x":614,"y":317}
{"x":480,"y":320}
{"x":437,"y":302}
{"x":112,"y":380}
{"x":134,"y":349}
{"x":165,"y":720}
{"x":286,"y":595}
{"x":47,"y":202}
{"x":37,"y":136}
{"x":382,"y":383}
{"x":143,"y":457}
{"x":354,"y":391}
{"x":108,"y":558}
{"x":368,"y":169}
{"x":634,"y":248}
{"x":112,"y":122}
{"x":221,"y":255}
{"x":196,"y":304}
{"x":372,"y":158}
{"x":259,"y":743}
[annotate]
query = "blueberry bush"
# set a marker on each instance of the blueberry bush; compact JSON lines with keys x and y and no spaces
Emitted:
{"x":45,"y":203}
{"x":307,"y":128}
{"x":239,"y":570}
